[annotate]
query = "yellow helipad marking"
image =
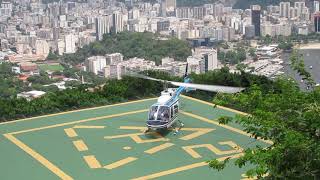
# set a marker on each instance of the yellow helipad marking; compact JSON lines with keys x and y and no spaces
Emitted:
{"x":190,"y":149}
{"x":67,"y":112}
{"x":137,"y":139}
{"x":142,"y":129}
{"x":39,"y":158}
{"x":80,"y":145}
{"x":184,"y":168}
{"x":89,"y":159}
{"x":222,"y":125}
{"x":120,"y":163}
{"x":92,"y":162}
{"x":158,"y":148}
{"x":81,"y":121}
{"x":127,"y":148}
{"x":88,"y":127}
{"x":245,"y":177}
{"x":70,"y":132}
{"x":199,"y":132}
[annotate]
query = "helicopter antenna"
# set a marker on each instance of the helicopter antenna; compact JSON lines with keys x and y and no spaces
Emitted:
{"x":186,"y":73}
{"x":165,"y":85}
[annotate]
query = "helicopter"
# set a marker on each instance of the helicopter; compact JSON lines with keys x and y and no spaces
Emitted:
{"x":164,"y":113}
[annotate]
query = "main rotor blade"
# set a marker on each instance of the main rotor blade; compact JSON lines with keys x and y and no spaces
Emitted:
{"x":144,"y":77}
{"x":212,"y":88}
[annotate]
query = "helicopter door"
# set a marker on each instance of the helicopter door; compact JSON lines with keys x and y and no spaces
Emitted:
{"x":172,"y":112}
{"x":175,"y":110}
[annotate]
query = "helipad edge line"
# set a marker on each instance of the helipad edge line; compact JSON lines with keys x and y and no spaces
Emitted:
{"x":183,"y":168}
{"x":224,"y":126}
{"x":78,"y":110}
{"x":38,"y":157}
{"x":80,"y":121}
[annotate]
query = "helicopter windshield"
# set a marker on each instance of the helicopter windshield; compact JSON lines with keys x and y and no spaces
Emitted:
{"x":163,"y":113}
{"x":153,"y":112}
{"x":160,"y":113}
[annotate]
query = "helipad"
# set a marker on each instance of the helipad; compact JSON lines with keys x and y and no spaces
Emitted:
{"x":108,"y":143}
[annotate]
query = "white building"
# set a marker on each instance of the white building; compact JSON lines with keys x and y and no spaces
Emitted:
{"x":70,"y":43}
{"x":114,"y":71}
{"x":210,"y":57}
{"x":42,"y":47}
{"x":114,"y":58}
{"x":195,"y":64}
{"x":285,"y":9}
{"x":117,"y":22}
{"x":316,"y":6}
{"x":166,"y":60}
{"x":103,"y":26}
{"x":300,"y":5}
{"x":6,"y":8}
{"x":31,"y":94}
{"x":96,"y":64}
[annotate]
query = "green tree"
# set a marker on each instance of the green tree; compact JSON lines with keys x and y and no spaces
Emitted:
{"x":284,"y":115}
{"x":133,"y":44}
{"x":267,"y":39}
{"x":52,"y":56}
{"x":289,"y":118}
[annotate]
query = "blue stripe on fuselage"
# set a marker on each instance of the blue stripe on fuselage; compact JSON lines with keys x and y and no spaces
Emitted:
{"x":176,"y":95}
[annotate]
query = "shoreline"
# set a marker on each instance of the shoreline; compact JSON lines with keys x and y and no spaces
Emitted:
{"x":309,"y":46}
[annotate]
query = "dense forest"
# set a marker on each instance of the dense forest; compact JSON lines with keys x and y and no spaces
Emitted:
{"x":133,"y":44}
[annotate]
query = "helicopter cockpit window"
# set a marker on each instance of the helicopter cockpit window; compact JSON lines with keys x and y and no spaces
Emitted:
{"x":163,"y":113}
{"x":153,"y":112}
{"x":176,"y":108}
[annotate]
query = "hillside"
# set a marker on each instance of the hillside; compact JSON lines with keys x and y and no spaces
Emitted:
{"x":143,"y":45}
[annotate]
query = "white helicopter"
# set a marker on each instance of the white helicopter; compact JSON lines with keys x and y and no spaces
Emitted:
{"x":164,"y":113}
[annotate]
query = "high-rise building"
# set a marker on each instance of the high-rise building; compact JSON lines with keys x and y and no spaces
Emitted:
{"x":316,"y":6}
{"x":285,"y":9}
{"x":114,"y":71}
{"x":163,"y":8}
{"x":218,"y":10}
{"x":209,"y":57}
{"x":103,"y":25}
{"x":293,"y":12}
{"x":70,"y":43}
{"x":96,"y":64}
{"x":184,"y":12}
{"x":114,"y":58}
{"x":6,"y":8}
{"x":300,"y":5}
{"x":317,"y":22}
{"x":199,"y":12}
{"x":117,"y":22}
{"x":42,"y":47}
{"x":255,"y":18}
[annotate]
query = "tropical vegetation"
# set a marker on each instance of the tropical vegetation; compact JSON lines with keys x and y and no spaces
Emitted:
{"x":133,"y":44}
{"x":285,"y":115}
{"x":128,"y":88}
